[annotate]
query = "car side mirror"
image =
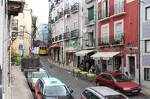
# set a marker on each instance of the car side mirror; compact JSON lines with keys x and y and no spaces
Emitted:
{"x":71,"y":91}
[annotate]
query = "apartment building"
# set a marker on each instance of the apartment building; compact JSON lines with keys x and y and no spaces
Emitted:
{"x":145,"y":42}
{"x":118,"y":36}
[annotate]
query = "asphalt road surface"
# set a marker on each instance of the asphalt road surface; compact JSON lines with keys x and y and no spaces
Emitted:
{"x":77,"y":84}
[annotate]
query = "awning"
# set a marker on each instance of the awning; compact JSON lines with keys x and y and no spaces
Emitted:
{"x":83,"y":52}
{"x":55,"y":46}
{"x":104,"y":55}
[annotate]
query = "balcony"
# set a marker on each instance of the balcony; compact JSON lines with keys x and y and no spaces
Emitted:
{"x":75,"y":33}
{"x":52,"y":6}
{"x":113,"y":41}
{"x":15,"y":7}
{"x":56,"y":18}
{"x":89,"y":22}
{"x":75,"y":8}
{"x":88,"y":1}
{"x":56,"y":38}
{"x":15,"y":25}
{"x":57,"y":2}
{"x":53,"y":39}
{"x":60,"y":15}
{"x":67,"y":12}
{"x":60,"y":37}
{"x":67,"y":35}
{"x":118,"y":40}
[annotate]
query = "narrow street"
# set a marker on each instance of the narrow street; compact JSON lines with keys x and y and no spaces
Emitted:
{"x":74,"y":83}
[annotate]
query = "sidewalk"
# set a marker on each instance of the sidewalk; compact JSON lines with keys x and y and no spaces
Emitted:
{"x":145,"y":91}
{"x":20,"y":88}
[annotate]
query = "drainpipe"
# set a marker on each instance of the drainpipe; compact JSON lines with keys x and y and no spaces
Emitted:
{"x":139,"y":30}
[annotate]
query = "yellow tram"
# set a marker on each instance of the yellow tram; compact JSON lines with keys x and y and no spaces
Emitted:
{"x":43,"y":50}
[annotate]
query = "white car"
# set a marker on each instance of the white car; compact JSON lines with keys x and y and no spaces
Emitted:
{"x":101,"y":92}
{"x":34,"y":76}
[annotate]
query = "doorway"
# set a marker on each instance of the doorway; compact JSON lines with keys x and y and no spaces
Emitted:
{"x":131,"y":60}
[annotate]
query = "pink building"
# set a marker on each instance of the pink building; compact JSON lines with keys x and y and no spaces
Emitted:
{"x":118,"y":36}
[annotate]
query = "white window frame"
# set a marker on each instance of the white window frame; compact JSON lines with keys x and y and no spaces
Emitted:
{"x":116,"y":37}
{"x":117,"y":9}
{"x":145,"y":15}
{"x":147,"y":47}
{"x":102,"y":27}
{"x":105,"y":9}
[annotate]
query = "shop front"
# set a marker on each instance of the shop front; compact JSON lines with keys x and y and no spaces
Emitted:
{"x":55,"y":52}
{"x":108,"y":61}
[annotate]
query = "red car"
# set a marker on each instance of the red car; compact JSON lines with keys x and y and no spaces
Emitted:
{"x":119,"y":82}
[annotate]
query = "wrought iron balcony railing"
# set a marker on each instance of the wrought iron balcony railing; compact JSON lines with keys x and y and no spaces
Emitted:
{"x":88,"y":1}
{"x":66,"y":35}
{"x":75,"y":8}
{"x":75,"y":33}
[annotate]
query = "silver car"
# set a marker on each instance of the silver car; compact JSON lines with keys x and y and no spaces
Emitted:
{"x":34,"y":76}
{"x":101,"y":92}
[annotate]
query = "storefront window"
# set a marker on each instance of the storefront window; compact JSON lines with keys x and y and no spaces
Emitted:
{"x":147,"y":74}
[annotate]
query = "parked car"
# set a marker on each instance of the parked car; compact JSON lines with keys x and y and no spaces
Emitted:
{"x":52,"y":88}
{"x":119,"y":82}
{"x":101,"y":92}
{"x":34,"y":76}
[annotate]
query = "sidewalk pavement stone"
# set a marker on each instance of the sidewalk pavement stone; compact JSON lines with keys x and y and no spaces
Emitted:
{"x":20,"y":88}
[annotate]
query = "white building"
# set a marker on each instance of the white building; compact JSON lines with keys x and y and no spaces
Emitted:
{"x":42,"y":33}
{"x":145,"y":42}
{"x":67,"y":25}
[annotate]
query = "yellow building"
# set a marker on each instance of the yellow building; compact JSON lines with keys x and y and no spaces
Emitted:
{"x":22,"y":42}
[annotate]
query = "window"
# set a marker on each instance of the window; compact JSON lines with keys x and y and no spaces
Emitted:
{"x":67,"y":28}
{"x":105,"y":33}
{"x":104,"y":8}
{"x":147,"y":74}
{"x":106,"y":77}
{"x":118,"y":30}
{"x":89,"y":95}
{"x":147,"y":46}
{"x":91,"y":13}
{"x":147,"y":13}
{"x":119,"y":6}
{"x":75,"y":25}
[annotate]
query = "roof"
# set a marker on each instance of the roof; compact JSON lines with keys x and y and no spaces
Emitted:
{"x":105,"y":91}
{"x":52,"y":81}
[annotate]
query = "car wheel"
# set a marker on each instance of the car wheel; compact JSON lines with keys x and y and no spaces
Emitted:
{"x":96,"y":83}
{"x":99,"y":83}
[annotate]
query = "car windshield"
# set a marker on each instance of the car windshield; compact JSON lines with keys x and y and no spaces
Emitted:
{"x":56,"y":91}
{"x":39,"y":74}
{"x":115,"y":97}
{"x":121,"y":78}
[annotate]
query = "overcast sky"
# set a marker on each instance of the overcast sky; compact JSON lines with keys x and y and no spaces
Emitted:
{"x":40,"y":9}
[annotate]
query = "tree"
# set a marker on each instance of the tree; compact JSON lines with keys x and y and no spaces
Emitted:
{"x":34,"y":28}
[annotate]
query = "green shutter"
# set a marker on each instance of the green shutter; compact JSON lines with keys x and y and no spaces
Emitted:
{"x":91,"y":13}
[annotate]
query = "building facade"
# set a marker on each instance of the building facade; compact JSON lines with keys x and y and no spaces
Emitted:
{"x":118,"y":36}
{"x":66,"y":28}
{"x":13,"y":8}
{"x":22,"y":28}
{"x":43,"y":33}
{"x":145,"y":42}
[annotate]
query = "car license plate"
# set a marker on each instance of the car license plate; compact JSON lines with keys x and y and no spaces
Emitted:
{"x":134,"y":90}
